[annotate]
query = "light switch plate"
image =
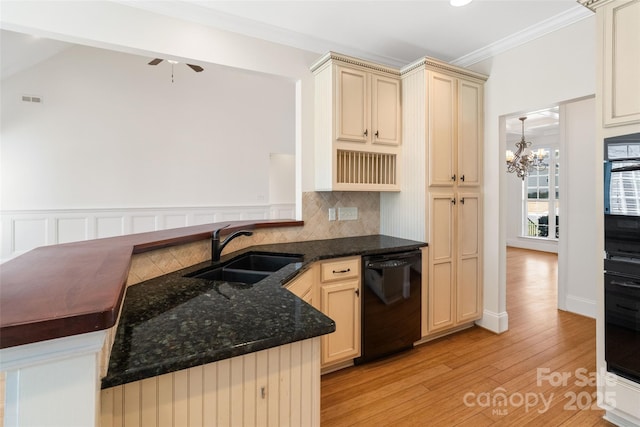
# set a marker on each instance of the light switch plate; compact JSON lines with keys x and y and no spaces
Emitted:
{"x":347,"y":214}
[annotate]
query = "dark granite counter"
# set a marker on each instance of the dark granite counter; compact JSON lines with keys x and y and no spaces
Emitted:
{"x":175,"y":322}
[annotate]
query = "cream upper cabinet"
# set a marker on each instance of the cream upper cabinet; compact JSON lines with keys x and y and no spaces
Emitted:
{"x":386,"y":119}
{"x":619,"y":21}
{"x":367,"y":107}
{"x":358,"y":125}
{"x":352,"y":105}
{"x":454,"y":126}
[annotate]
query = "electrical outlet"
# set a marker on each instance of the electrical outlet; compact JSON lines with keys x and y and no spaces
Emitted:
{"x":332,"y":214}
{"x":347,"y":214}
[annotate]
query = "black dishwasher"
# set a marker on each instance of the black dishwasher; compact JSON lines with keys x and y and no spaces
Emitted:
{"x":391,"y":301}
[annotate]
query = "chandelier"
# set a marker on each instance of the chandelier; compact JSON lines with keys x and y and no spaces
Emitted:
{"x":524,"y":160}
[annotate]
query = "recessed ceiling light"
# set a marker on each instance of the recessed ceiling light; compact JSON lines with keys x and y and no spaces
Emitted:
{"x":458,"y":3}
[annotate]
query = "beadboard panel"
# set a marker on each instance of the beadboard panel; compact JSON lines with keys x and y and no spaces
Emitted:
{"x":25,"y":230}
{"x":402,"y":214}
{"x":279,"y":386}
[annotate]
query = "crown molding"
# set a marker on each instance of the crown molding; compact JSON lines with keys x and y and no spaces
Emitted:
{"x":436,"y":64}
{"x":333,"y":56}
{"x":593,"y":4}
{"x":557,"y":22}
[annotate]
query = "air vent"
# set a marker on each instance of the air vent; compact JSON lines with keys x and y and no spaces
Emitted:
{"x":359,"y":167}
{"x":32,"y":98}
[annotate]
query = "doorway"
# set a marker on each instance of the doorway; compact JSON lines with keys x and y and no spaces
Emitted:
{"x":564,"y":197}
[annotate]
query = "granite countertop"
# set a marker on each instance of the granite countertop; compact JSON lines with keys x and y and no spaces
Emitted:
{"x":75,"y":288}
{"x":175,"y":322}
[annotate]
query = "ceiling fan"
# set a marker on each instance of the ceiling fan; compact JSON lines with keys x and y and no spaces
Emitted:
{"x":195,"y":68}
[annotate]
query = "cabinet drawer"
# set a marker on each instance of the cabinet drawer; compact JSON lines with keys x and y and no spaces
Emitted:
{"x":344,"y":268}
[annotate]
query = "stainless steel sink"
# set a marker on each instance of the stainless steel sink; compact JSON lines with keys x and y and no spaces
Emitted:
{"x":248,"y":268}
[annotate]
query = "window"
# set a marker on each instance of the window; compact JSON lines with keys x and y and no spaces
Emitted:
{"x":541,"y":198}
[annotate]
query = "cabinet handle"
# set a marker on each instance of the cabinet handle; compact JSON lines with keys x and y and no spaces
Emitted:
{"x":453,"y":200}
{"x":462,"y":178}
{"x":462,"y":200}
{"x":366,"y":132}
{"x":357,"y":292}
{"x":341,"y":271}
{"x":377,"y":134}
{"x":453,"y":178}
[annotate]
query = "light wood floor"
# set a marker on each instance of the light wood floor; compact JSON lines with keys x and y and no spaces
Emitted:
{"x":428,"y":385}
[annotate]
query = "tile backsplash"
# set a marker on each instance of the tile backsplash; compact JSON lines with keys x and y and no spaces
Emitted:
{"x":315,"y":213}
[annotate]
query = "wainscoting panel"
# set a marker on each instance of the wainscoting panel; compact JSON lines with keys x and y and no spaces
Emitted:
{"x":22,"y":231}
{"x":275,"y":387}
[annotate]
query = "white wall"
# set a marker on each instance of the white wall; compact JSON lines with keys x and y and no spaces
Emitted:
{"x":114,"y":132}
{"x":123,"y":28}
{"x":580,"y":257}
{"x":556,"y":67}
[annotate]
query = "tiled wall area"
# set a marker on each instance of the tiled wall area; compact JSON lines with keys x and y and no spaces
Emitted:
{"x":315,"y":206}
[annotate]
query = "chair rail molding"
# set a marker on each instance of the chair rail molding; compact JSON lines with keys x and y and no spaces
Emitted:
{"x":23,"y":230}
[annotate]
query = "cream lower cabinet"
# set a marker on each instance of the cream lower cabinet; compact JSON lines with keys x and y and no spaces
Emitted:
{"x":333,"y":287}
{"x":454,"y":291}
{"x":340,"y":300}
{"x":304,"y":286}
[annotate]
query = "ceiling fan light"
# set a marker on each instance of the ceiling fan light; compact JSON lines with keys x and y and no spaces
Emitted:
{"x":172,"y":62}
{"x":458,"y":3}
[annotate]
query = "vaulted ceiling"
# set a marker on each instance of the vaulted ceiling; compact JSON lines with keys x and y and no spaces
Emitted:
{"x":391,"y":32}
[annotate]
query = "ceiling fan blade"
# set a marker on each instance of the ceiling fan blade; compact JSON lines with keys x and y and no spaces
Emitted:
{"x":195,"y":68}
{"x":155,"y":61}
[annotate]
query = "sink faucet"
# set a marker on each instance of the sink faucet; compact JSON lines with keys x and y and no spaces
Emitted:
{"x":217,"y":247}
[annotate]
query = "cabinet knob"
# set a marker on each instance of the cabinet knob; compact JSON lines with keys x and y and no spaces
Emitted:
{"x":453,"y":178}
{"x":462,"y":200}
{"x":453,"y":201}
{"x":377,"y":134}
{"x":366,"y":132}
{"x":462,"y":178}
{"x":358,"y":292}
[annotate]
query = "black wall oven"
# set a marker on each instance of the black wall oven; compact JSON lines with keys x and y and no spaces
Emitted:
{"x":622,"y":255}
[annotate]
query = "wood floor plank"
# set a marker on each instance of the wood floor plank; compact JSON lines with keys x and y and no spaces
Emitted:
{"x":455,"y":380}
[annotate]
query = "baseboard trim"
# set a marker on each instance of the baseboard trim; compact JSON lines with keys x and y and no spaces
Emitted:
{"x":582,"y":306}
{"x":495,"y":322}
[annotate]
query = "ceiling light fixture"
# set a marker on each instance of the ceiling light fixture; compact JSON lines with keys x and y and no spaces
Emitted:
{"x":458,"y":3}
{"x":525,"y":160}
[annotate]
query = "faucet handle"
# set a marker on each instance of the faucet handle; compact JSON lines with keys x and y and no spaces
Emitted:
{"x":216,"y":232}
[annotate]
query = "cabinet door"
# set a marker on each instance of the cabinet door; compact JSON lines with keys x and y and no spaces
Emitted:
{"x":442,"y":131}
{"x":341,"y":302}
{"x":385,"y":110}
{"x":441,"y":265}
{"x":352,"y":105}
{"x":621,"y":63}
{"x":469,"y":133}
{"x":303,"y":286}
{"x":469,"y":265}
